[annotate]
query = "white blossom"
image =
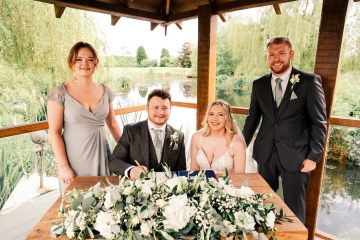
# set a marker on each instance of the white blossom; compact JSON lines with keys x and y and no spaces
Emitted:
{"x":270,"y":219}
{"x":177,"y":214}
{"x":104,"y":221}
{"x":145,"y":229}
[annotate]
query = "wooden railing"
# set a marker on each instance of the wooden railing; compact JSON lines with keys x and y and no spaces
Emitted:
{"x":31,"y":127}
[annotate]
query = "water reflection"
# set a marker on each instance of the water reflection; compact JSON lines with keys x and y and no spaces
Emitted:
{"x":339,"y":210}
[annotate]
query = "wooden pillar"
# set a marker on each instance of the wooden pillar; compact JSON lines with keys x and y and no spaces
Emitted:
{"x":206,"y":69}
{"x":326,"y":65}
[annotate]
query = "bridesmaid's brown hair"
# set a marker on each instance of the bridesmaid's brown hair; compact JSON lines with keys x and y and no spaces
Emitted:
{"x":75,"y":50}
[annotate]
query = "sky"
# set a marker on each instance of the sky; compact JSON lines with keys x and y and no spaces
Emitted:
{"x":128,"y":34}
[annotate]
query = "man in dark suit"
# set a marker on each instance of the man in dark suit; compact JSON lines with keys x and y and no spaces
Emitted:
{"x":291,"y":137}
{"x":152,"y":142}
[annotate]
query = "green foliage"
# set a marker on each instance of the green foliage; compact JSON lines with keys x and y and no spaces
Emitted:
{"x":184,"y":55}
{"x":140,"y":55}
{"x":164,"y":53}
{"x":32,"y":61}
{"x":10,"y":174}
{"x":148,"y":63}
{"x":118,"y":61}
{"x":354,"y":147}
{"x":338,"y":145}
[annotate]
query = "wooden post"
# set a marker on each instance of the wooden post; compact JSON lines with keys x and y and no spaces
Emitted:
{"x":326,"y":65}
{"x":206,"y":68}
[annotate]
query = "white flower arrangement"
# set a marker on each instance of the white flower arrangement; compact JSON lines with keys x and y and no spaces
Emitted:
{"x":169,"y":208}
{"x":294,"y":80}
{"x":174,"y":139}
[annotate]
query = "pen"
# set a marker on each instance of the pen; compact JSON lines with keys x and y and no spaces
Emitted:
{"x":138,"y":164}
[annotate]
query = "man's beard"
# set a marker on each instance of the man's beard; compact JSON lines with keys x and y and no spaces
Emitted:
{"x":282,"y":70}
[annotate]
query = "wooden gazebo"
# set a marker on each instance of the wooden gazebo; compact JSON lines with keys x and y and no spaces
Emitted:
{"x":166,"y":12}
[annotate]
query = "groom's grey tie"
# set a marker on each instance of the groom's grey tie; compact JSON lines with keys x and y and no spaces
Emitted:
{"x":157,"y":143}
{"x":278,"y":91}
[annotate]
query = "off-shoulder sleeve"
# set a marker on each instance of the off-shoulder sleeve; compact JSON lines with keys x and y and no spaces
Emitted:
{"x":110,"y":93}
{"x":57,"y":95}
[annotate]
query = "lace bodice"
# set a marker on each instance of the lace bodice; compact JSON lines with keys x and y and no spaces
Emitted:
{"x":223,"y":162}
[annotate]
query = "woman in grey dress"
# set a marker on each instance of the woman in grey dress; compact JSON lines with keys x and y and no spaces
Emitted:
{"x":77,"y":112}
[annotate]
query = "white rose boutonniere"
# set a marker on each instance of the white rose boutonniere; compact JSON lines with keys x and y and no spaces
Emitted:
{"x":174,"y":139}
{"x":294,"y":80}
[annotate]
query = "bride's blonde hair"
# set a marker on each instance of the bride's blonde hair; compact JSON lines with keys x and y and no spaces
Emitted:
{"x":231,"y":128}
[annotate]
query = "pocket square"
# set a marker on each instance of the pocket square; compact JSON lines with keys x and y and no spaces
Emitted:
{"x":293,"y":96}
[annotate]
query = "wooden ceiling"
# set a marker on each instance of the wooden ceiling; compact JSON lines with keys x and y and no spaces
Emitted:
{"x":162,"y":12}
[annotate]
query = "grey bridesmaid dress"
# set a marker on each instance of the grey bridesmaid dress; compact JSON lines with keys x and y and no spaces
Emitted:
{"x":86,"y":147}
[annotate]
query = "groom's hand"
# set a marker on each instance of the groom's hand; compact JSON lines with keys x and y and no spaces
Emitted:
{"x":136,"y":171}
{"x":308,"y":165}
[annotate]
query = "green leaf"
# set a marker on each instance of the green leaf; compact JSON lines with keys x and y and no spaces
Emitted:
{"x":87,"y":204}
{"x":91,"y":234}
{"x":115,"y":196}
{"x":166,"y":235}
{"x":77,"y":202}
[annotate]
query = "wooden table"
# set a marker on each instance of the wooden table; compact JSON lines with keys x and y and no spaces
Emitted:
{"x":285,"y":231}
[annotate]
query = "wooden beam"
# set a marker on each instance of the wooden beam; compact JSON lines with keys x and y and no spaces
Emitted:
{"x":277,"y":8}
{"x":59,"y":11}
{"x":326,"y":65}
{"x":224,"y":7}
{"x":222,"y":17}
{"x":153,"y":26}
{"x":179,"y":25}
{"x":107,"y":8}
{"x":245,"y":4}
{"x":114,"y":20}
{"x":167,"y":7}
{"x":206,"y":68}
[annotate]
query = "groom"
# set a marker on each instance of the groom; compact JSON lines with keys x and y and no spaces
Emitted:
{"x":291,"y":137}
{"x":151,"y":142}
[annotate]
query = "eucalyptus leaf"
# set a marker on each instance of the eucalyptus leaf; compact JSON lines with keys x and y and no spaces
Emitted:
{"x":166,"y":235}
{"x":115,"y":196}
{"x":77,"y":202}
{"x":87,"y":203}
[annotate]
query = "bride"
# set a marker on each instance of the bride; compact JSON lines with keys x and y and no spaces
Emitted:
{"x":218,"y":145}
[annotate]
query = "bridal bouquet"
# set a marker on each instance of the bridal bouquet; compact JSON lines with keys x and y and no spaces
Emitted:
{"x":166,"y":208}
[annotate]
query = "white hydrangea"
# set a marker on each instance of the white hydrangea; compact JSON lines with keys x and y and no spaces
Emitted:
{"x":104,"y":222}
{"x":177,"y":213}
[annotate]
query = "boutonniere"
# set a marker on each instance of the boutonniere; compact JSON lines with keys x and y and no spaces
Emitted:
{"x":294,"y":80}
{"x":174,"y":139}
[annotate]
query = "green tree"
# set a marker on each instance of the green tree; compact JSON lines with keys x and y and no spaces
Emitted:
{"x":164,"y":57}
{"x":140,"y":54}
{"x":184,"y":58}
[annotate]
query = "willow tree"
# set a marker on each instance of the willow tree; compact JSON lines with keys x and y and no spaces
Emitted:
{"x":33,"y":49}
{"x":246,"y":36}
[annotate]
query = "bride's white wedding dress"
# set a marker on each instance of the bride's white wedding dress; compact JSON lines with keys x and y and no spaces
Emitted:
{"x":224,"y":161}
{"x":219,"y":164}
